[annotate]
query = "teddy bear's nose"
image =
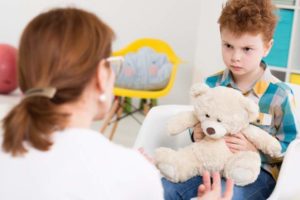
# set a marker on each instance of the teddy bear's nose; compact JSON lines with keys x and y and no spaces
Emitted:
{"x":210,"y":131}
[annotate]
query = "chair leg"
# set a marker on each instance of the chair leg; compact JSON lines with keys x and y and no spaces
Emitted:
{"x":153,"y":102}
{"x":147,"y":104}
{"x":127,"y":105}
{"x":146,"y":108}
{"x":142,"y":102}
{"x":112,"y":112}
{"x":119,"y":105}
{"x":114,"y":128}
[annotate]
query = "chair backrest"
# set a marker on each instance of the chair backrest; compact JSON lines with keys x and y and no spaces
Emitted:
{"x":158,"y":46}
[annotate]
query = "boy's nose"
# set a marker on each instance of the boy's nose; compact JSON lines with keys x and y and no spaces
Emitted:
{"x":236,"y":56}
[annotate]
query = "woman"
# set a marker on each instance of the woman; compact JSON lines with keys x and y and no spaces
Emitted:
{"x":49,"y":152}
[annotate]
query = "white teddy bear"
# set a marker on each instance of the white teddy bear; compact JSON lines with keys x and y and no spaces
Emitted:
{"x":221,"y":111}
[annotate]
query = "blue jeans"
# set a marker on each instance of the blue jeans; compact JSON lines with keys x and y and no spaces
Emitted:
{"x":259,"y":190}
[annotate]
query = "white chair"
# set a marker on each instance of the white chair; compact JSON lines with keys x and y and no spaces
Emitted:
{"x":153,"y":134}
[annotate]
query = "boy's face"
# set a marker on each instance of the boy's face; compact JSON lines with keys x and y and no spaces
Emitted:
{"x":242,"y":55}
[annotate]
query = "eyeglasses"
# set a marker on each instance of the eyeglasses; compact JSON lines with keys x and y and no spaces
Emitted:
{"x":116,"y":63}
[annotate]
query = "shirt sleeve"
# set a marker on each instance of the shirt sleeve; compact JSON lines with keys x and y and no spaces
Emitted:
{"x":286,"y":121}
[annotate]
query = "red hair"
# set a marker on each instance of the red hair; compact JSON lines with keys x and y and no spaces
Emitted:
{"x":249,"y":16}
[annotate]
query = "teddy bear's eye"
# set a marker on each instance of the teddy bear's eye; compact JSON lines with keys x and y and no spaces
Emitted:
{"x":206,"y":115}
{"x":218,"y":120}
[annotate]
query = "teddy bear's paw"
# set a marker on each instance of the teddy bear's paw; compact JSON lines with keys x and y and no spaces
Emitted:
{"x":168,"y":171}
{"x":243,"y":167}
{"x":242,"y":176}
{"x":164,"y":154}
{"x":273,"y":149}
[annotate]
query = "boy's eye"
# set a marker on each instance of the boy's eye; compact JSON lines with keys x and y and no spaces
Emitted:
{"x":228,"y":46}
{"x":207,"y":116}
{"x":247,"y":49}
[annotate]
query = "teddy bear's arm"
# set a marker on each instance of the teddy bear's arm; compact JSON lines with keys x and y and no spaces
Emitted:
{"x":263,"y":141}
{"x":181,"y":122}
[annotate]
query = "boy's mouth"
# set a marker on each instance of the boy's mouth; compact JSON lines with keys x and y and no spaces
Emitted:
{"x":236,"y":67}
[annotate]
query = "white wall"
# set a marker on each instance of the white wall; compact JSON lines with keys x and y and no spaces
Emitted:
{"x":174,"y":21}
{"x":208,"y":57}
{"x":12,"y":21}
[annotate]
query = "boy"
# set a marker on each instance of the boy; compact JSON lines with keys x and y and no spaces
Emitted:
{"x":246,"y":29}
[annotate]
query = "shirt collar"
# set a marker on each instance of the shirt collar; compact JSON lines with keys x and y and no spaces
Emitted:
{"x":227,"y":79}
{"x":259,"y":87}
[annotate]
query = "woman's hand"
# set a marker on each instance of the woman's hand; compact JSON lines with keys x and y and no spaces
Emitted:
{"x":213,"y":191}
{"x":239,"y":142}
{"x":198,"y":133}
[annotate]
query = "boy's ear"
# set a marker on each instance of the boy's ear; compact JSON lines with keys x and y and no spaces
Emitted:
{"x":269,"y":47}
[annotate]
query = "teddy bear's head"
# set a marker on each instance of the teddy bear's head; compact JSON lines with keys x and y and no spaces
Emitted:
{"x":222,"y":110}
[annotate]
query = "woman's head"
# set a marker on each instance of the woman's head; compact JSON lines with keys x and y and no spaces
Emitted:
{"x":62,"y":49}
{"x":249,"y":17}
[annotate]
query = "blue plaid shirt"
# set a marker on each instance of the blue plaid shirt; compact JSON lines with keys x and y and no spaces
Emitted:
{"x":277,"y":110}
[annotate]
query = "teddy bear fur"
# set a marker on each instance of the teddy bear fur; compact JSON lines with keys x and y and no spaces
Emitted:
{"x":220,"y":111}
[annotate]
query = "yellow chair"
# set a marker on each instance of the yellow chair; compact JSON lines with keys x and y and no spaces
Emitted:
{"x":158,"y":46}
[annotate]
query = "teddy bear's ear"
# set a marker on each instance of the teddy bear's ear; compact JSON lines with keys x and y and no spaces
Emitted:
{"x":199,"y":89}
{"x":251,"y":107}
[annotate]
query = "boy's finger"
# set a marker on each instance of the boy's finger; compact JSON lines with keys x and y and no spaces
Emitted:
{"x":234,"y":146}
{"x":240,"y":136}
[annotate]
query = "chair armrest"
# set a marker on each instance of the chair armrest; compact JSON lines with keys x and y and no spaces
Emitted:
{"x":153,"y":132}
{"x":287,"y":186}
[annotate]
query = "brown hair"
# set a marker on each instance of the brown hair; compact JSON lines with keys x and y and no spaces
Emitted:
{"x":61,"y":49}
{"x":249,"y":16}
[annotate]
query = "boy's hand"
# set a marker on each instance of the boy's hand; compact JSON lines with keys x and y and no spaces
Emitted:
{"x":198,"y":133}
{"x":239,"y":142}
